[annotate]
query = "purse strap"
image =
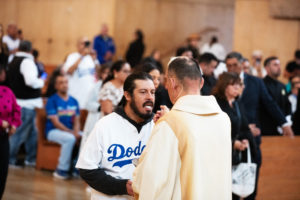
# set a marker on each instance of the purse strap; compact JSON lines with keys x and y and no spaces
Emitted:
{"x":248,"y":155}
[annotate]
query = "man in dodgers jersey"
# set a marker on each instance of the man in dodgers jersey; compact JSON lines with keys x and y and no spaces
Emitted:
{"x":105,"y":161}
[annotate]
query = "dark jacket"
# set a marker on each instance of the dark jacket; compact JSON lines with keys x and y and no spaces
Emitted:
{"x":161,"y":98}
{"x":255,"y":97}
{"x":278,"y":93}
{"x":239,"y":128}
{"x":209,"y":84}
{"x":296,"y":117}
{"x":135,"y":52}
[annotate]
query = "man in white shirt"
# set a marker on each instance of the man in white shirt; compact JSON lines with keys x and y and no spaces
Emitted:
{"x":106,"y":160}
{"x":215,"y":48}
{"x":23,"y":80}
{"x":80,"y":67}
{"x":12,"y":40}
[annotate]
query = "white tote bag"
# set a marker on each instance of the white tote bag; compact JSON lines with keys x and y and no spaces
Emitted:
{"x":243,"y":177}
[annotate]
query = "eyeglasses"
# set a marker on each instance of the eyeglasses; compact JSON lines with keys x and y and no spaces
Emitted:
{"x":126,"y":71}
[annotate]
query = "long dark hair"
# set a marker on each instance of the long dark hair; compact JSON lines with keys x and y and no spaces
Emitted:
{"x":117,"y":66}
{"x":225,"y":79}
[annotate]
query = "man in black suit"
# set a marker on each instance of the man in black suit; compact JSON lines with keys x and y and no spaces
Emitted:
{"x":208,"y":63}
{"x":254,"y":97}
{"x":296,"y":116}
{"x":278,"y":93}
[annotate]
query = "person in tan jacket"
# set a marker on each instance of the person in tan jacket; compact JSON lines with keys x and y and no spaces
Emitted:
{"x":188,"y":155}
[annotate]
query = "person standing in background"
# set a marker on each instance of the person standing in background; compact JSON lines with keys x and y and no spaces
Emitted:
{"x":161,"y":94}
{"x":22,"y":76}
{"x":208,"y":63}
{"x":112,"y":90}
{"x":279,"y":95}
{"x":80,"y":67}
{"x":12,"y":40}
{"x":4,"y":52}
{"x":10,"y":119}
{"x":215,"y":48}
{"x":104,"y":46}
{"x":257,"y":68}
{"x":93,"y":105}
{"x":227,"y":90}
{"x":293,"y":67}
{"x":136,"y":49}
{"x":295,"y":82}
{"x":255,"y":96}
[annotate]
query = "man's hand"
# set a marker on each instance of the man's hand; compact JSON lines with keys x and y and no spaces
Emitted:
{"x":12,"y":130}
{"x":129,"y":188}
{"x":160,"y":113}
{"x":254,"y":130}
{"x":287,"y":131}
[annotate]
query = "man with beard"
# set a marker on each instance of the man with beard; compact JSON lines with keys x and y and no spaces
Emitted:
{"x":117,"y":139}
{"x":278,"y":93}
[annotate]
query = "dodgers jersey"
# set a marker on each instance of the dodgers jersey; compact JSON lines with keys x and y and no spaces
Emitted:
{"x":112,"y":145}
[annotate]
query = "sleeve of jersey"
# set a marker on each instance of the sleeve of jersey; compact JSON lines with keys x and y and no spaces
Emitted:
{"x":89,"y":165}
{"x":159,"y":166}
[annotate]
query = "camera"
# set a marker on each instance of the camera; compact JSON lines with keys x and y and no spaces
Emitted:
{"x":87,"y":43}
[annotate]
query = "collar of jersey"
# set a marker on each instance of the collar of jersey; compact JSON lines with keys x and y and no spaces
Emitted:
{"x":120,"y":111}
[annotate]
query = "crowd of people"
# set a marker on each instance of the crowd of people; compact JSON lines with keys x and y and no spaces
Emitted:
{"x":124,"y":98}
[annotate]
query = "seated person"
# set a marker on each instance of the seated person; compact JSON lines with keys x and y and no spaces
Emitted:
{"x":63,"y":124}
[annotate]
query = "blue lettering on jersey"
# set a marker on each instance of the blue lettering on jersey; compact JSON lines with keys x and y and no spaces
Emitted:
{"x":118,"y":152}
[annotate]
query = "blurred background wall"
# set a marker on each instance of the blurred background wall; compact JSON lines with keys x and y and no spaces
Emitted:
{"x":53,"y":26}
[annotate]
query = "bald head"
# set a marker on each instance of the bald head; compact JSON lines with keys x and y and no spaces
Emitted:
{"x":12,"y":30}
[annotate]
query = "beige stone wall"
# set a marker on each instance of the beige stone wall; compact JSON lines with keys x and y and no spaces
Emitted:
{"x":55,"y":25}
{"x":167,"y":23}
{"x":254,"y":28}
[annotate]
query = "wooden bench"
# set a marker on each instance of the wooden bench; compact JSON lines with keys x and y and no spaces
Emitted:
{"x":47,"y":152}
{"x":280,"y":171}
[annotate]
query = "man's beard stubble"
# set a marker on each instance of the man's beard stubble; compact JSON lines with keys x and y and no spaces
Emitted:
{"x":137,"y":112}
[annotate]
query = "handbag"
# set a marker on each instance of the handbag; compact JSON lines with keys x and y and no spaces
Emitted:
{"x":243,"y":177}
